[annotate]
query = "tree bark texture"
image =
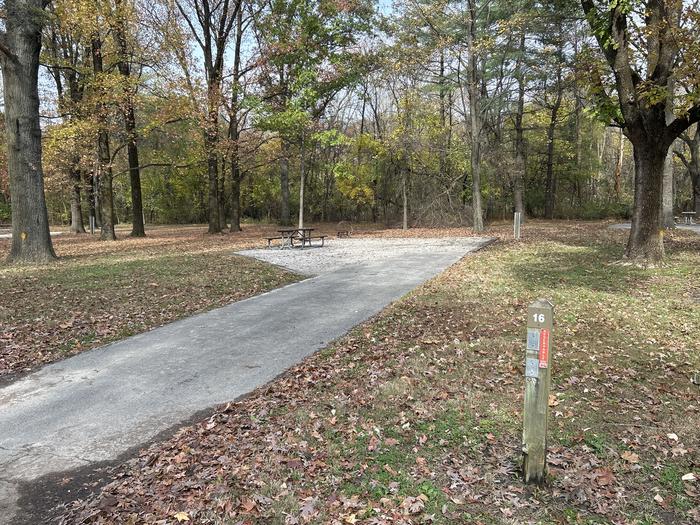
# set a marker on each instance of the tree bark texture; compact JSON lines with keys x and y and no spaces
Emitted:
{"x":76,"y":211}
{"x":211,"y":142}
{"x":646,"y":239}
{"x":234,"y":129}
{"x":137,"y":225}
{"x":19,"y":60}
{"x":106,"y":193}
{"x":104,"y":158}
{"x":92,"y":198}
{"x":138,"y":228}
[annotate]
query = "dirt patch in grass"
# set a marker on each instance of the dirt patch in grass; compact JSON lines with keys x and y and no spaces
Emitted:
{"x":98,"y":292}
{"x":415,"y":416}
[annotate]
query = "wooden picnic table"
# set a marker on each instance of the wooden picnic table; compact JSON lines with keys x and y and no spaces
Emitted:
{"x":688,"y":217}
{"x":289,"y":235}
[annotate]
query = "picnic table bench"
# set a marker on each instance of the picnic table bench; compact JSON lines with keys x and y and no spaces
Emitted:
{"x":289,"y":235}
{"x":344,"y":229}
{"x":688,"y":217}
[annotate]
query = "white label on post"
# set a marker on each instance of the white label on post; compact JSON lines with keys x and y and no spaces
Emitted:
{"x":533,"y":339}
{"x":532,"y":367}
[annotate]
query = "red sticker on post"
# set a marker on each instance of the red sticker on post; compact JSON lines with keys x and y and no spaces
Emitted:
{"x":544,"y":348}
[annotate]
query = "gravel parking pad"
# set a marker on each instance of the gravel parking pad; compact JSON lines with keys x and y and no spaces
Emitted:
{"x":338,"y":253}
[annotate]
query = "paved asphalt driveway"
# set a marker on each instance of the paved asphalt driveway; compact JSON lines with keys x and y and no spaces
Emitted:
{"x":99,"y":404}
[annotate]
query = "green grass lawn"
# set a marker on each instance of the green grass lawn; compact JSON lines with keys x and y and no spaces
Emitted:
{"x":415,"y":416}
{"x":100,"y":292}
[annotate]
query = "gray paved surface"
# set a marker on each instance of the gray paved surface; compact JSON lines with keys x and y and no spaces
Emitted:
{"x":98,"y":404}
{"x":338,"y":253}
{"x":691,"y":227}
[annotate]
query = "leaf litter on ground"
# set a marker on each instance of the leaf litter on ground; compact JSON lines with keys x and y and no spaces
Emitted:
{"x":415,"y":416}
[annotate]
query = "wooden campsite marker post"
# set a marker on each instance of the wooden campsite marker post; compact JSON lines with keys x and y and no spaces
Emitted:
{"x":538,"y":369}
{"x":517,"y":222}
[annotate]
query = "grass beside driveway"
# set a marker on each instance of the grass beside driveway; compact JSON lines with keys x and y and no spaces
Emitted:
{"x":415,"y":416}
{"x":99,"y":292}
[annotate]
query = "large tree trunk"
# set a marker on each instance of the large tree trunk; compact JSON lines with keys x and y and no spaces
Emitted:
{"x":91,"y":185}
{"x":106,"y":193}
{"x":285,"y":218}
{"x":210,"y":145}
{"x":234,"y":129}
{"x":649,"y":124}
{"x":19,"y":60}
{"x":76,"y":211}
{"x":137,"y":228}
{"x":646,"y":241}
{"x":104,"y":157}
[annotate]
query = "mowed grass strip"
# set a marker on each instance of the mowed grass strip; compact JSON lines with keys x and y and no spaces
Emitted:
{"x":415,"y":417}
{"x":102,"y":292}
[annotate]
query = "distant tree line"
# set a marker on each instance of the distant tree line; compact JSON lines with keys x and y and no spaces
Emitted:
{"x":439,"y":112}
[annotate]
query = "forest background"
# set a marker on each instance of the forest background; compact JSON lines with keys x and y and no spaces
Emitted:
{"x":419,"y":113}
